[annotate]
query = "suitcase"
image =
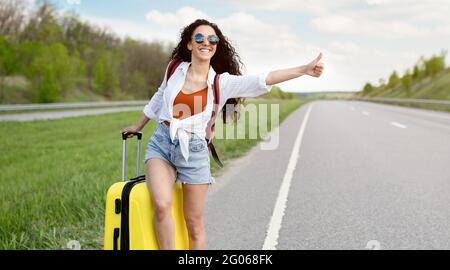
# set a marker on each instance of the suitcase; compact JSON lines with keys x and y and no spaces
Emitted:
{"x":129,"y":212}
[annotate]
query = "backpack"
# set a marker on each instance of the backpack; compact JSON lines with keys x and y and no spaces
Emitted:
{"x":212,"y":121}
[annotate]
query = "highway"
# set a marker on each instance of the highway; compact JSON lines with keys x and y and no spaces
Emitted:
{"x":355,"y":172}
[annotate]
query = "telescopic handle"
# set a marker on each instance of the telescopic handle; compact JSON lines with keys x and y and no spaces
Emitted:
{"x":124,"y":152}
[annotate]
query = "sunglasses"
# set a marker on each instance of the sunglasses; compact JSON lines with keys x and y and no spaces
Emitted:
{"x":213,"y":39}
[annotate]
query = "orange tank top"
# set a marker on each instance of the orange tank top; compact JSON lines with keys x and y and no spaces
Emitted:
{"x":187,"y":103}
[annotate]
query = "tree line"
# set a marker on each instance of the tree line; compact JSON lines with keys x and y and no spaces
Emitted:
{"x":58,"y":54}
{"x":423,"y":69}
{"x":46,"y":56}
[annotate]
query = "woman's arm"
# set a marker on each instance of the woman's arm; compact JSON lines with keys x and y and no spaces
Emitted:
{"x":143,"y":121}
{"x":314,"y":69}
{"x":137,"y":127}
{"x":234,"y":86}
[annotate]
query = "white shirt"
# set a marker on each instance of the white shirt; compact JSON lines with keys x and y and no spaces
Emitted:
{"x":160,"y":107}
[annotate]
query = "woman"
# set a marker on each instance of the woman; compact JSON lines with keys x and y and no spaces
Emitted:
{"x":177,"y":150}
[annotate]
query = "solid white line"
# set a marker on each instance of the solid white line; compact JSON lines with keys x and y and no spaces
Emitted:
{"x":365,"y":113}
{"x":395,"y":124}
{"x":271,"y":241}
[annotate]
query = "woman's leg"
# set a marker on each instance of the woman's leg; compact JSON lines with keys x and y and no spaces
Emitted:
{"x":194,"y":198}
{"x":160,"y":178}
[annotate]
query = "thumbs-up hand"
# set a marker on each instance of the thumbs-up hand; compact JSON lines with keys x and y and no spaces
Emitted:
{"x":315,"y":68}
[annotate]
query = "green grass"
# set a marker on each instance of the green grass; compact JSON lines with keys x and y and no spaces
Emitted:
{"x":55,"y":175}
{"x":437,"y":88}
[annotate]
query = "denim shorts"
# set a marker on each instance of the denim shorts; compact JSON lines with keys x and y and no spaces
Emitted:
{"x":196,"y":170}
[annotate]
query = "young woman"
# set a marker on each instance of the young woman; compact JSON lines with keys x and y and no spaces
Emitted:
{"x":183,"y":106}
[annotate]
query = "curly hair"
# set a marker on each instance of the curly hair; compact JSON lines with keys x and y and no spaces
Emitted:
{"x":225,"y":59}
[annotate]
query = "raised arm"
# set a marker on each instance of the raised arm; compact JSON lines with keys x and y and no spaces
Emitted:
{"x":314,"y":69}
{"x":233,"y":86}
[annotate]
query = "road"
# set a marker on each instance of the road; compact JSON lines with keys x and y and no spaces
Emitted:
{"x":33,"y":116}
{"x":362,"y":171}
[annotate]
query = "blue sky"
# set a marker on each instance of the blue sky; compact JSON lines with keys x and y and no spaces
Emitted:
{"x":362,"y":40}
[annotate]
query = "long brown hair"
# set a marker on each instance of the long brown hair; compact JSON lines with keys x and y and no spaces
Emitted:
{"x":224,"y":60}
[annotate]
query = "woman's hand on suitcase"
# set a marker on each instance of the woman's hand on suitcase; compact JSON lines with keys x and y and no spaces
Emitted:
{"x":131,"y":129}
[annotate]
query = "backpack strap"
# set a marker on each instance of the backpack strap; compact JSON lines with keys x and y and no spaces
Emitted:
{"x":212,"y":122}
{"x":172,"y":67}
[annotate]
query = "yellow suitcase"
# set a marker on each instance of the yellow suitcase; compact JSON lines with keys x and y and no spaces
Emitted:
{"x":129,"y":213}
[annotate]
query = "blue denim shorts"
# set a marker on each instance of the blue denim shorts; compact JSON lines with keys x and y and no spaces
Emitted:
{"x":196,"y":170}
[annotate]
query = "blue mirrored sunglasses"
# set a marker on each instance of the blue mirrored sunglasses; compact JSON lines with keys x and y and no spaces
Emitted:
{"x":213,"y":39}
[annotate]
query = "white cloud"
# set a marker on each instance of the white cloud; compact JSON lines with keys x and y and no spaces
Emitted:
{"x":376,"y":2}
{"x":355,"y":25}
{"x":385,"y":19}
{"x":181,"y":17}
{"x":308,"y":6}
{"x":125,"y":28}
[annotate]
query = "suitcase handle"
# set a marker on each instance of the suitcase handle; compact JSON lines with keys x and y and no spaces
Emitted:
{"x":125,"y":135}
{"x":124,"y":152}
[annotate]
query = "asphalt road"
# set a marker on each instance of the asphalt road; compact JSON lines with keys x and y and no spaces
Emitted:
{"x":34,"y":116}
{"x":364,"y":172}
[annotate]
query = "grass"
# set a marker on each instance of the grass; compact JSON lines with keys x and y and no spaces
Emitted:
{"x":436,"y":88}
{"x":55,"y":174}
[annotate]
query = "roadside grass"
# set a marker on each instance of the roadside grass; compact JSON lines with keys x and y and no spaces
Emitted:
{"x":55,"y":174}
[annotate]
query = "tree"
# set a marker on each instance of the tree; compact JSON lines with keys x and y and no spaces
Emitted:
{"x":148,"y":59}
{"x":416,"y":73}
{"x":11,"y":17}
{"x":435,"y":64}
{"x":367,"y":88}
{"x":137,"y":85}
{"x":407,"y":82}
{"x":105,"y":76}
{"x":8,"y":63}
{"x":43,"y":25}
{"x":393,"y":79}
{"x":277,"y":93}
{"x":52,"y":71}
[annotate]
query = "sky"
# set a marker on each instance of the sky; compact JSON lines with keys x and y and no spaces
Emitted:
{"x":361,"y":40}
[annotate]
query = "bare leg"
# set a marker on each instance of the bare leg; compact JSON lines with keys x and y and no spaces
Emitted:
{"x":194,"y":198}
{"x":160,"y":178}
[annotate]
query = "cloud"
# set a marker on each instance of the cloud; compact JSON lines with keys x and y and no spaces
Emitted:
{"x":384,"y":19}
{"x":181,"y":17}
{"x":139,"y":31}
{"x":355,"y":25}
{"x":307,"y":6}
{"x":377,"y":2}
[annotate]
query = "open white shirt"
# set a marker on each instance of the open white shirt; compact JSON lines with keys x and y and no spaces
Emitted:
{"x":160,"y":107}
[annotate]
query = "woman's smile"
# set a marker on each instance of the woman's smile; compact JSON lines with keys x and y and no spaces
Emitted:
{"x":204,"y":50}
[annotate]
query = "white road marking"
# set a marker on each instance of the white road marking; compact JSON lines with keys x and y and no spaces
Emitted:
{"x":395,"y":124}
{"x":271,"y":241}
{"x":352,"y":108}
{"x":366,"y":113}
